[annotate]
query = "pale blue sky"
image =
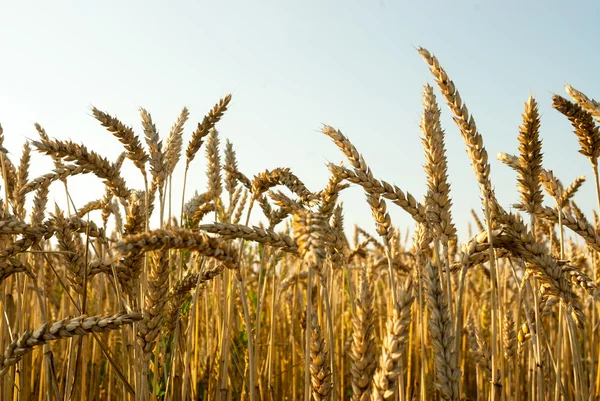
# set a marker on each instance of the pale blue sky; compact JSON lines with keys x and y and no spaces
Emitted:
{"x":293,"y":65}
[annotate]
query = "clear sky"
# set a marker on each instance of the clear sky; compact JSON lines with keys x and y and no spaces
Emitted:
{"x":293,"y":65}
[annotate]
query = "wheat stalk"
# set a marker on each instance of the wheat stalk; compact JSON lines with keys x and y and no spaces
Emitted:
{"x":61,"y":329}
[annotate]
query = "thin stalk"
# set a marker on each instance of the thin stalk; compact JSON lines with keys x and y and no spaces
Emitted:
{"x":409,"y":362}
{"x":228,"y":308}
{"x":593,"y":365}
{"x":526,"y":309}
{"x":227,"y":321}
{"x":441,"y":270}
{"x":388,"y":255}
{"x":597,"y":182}
{"x":539,"y":377}
{"x":5,"y":181}
{"x":271,"y":331}
{"x":141,"y":391}
{"x":259,"y":307}
{"x":186,"y":373}
{"x":578,"y":370}
{"x":183,"y":192}
{"x":350,"y":288}
{"x":459,"y":306}
{"x":422,"y":387}
{"x":560,"y":313}
{"x":331,"y":343}
{"x":493,"y":278}
{"x":252,"y":369}
{"x":308,"y":335}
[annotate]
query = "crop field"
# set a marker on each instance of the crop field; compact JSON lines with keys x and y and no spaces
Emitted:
{"x":147,"y":294}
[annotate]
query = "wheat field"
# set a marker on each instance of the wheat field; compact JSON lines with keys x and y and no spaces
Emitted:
{"x":123,"y":299}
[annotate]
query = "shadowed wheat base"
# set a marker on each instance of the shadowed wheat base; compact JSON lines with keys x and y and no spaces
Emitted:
{"x":98,"y":302}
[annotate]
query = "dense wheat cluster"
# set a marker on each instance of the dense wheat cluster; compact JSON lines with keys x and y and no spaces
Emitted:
{"x":98,"y":302}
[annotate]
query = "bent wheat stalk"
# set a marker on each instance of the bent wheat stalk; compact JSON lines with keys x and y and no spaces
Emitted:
{"x":59,"y":330}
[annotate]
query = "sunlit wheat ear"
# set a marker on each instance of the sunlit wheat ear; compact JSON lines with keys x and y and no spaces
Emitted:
{"x":344,"y":144}
{"x":382,"y":188}
{"x":155,"y":299}
{"x":438,"y":196}
{"x":120,"y":160}
{"x":6,"y":193}
{"x":109,"y":206}
{"x":135,"y":219}
{"x":176,"y":298}
{"x":320,"y":372}
{"x":177,"y":238}
{"x":197,"y":201}
{"x":480,"y":349}
{"x":386,"y":376}
{"x":586,"y":131}
{"x":89,"y":161}
{"x":383,"y":222}
{"x":58,"y":174}
{"x":40,"y":201}
{"x":59,"y":330}
{"x":267,"y":237}
{"x":580,"y":279}
{"x":509,"y":336}
{"x":230,"y":165}
{"x":125,"y":135}
{"x":202,"y":211}
{"x":468,"y":129}
{"x":213,"y":169}
{"x":280,"y":176}
{"x":73,"y":255}
{"x":441,"y":330}
{"x":511,"y":161}
{"x":112,"y":208}
{"x":238,"y":176}
{"x":362,"y":349}
{"x":181,"y":289}
{"x":234,"y":200}
{"x":237,"y":216}
{"x":551,"y":184}
{"x":530,"y":159}
{"x":363,"y":176}
{"x":339,"y":242}
{"x":540,"y":263}
{"x":274,"y":216}
{"x":156,"y":156}
{"x":546,"y":178}
{"x":284,"y":201}
{"x":10,"y":177}
{"x":22,"y":178}
{"x":44,"y":137}
{"x":571,"y":190}
{"x":329,"y":195}
{"x":204,"y":127}
{"x":578,"y":225}
{"x":98,"y":204}
{"x":174,"y":142}
{"x":312,"y":235}
{"x":589,"y":105}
